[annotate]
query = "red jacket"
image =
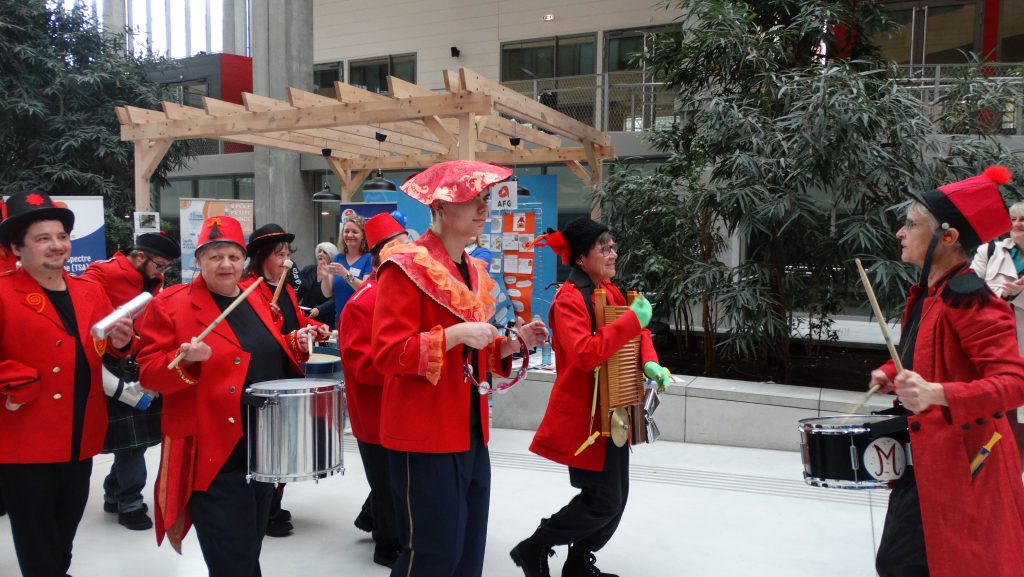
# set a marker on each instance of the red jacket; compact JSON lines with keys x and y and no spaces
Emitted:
{"x":567,"y":423}
{"x":425,"y":407}
{"x":972,"y":526}
{"x":364,"y":385}
{"x":8,"y":262}
{"x":37,"y":367}
{"x":202,"y":420}
{"x":118,"y":278}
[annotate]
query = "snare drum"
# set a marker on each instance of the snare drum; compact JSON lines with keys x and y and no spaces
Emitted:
{"x":296,"y":433}
{"x":854,"y":451}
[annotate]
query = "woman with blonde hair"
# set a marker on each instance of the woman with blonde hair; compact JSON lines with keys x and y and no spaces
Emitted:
{"x":351,"y":266}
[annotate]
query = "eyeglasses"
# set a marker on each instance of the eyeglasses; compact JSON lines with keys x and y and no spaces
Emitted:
{"x":608,"y":249}
{"x":159,"y":267}
{"x":909,"y":224}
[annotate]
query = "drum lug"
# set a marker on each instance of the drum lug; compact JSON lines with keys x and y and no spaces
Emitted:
{"x":854,"y":461}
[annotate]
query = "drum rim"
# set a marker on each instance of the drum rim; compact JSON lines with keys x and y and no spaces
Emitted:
{"x":844,"y":483}
{"x":309,"y":384}
{"x":830,"y":425}
{"x":338,"y":469}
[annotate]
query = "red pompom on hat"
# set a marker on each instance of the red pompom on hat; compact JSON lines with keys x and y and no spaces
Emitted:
{"x":554,"y":240}
{"x":972,"y":206}
{"x":381,"y":228}
{"x":221,"y":229}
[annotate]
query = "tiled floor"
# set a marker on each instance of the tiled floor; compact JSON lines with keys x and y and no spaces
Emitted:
{"x":700,"y":510}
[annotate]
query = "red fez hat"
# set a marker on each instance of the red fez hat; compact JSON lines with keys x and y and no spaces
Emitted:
{"x":454,"y":181}
{"x":380,"y":228}
{"x":221,"y":229}
{"x":972,"y":206}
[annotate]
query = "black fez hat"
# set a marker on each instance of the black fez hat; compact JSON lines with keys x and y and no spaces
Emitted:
{"x":24,"y":208}
{"x":158,"y":244}
{"x":581,"y":234}
{"x":267,"y":234}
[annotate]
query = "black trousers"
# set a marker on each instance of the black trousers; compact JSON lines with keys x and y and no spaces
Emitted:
{"x":442,"y":501}
{"x":45,"y":503}
{"x":901,"y":552}
{"x":591,"y":517}
{"x":381,"y":501}
{"x":230,"y":518}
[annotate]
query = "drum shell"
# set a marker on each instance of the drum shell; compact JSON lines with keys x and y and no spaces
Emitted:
{"x":833,"y":449}
{"x":297,"y":434}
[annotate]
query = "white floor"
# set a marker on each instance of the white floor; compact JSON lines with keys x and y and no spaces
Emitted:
{"x":698,"y":510}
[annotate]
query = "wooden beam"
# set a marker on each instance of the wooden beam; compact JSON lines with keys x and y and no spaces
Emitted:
{"x":514,"y":104}
{"x":335,"y":115}
{"x":452,"y":80}
{"x":467,"y":137}
{"x":580,"y":172}
{"x":441,"y":133}
{"x":143,"y":115}
{"x":343,"y":174}
{"x":592,"y":161}
{"x":531,"y":156}
{"x":350,"y":189}
{"x":148,"y":154}
{"x":453,"y":83}
{"x":403,"y":89}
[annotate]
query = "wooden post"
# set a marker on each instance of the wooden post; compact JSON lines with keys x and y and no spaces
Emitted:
{"x":467,"y":136}
{"x":148,"y":154}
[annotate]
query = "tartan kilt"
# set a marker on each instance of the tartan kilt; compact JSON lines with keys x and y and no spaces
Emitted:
{"x":130,"y":428}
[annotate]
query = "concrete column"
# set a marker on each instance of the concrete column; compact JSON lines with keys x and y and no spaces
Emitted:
{"x":114,"y":19}
{"x":234,"y":27}
{"x":282,"y":51}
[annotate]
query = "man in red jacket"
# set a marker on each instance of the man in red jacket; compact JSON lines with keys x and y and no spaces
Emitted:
{"x":364,"y":386}
{"x":959,"y":510}
{"x":52,"y":412}
{"x":132,"y":427}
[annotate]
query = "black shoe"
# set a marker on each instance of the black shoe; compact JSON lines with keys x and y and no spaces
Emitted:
{"x":276,"y":528}
{"x":386,"y":553}
{"x":136,"y":520}
{"x":364,"y":522}
{"x":581,"y":562}
{"x":109,"y":507}
{"x":532,"y":556}
{"x":281,"y":515}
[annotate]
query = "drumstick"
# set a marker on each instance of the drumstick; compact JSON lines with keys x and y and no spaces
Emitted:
{"x":878,"y":315}
{"x":280,"y":282}
{"x":238,"y":300}
{"x":309,"y":342}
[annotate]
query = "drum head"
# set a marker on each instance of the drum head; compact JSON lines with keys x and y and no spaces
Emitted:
{"x":292,"y":386}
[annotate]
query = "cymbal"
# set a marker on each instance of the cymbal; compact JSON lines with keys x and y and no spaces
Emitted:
{"x":618,"y":426}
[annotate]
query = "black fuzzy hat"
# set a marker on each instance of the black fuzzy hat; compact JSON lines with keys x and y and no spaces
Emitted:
{"x":581,"y":234}
{"x":158,"y":244}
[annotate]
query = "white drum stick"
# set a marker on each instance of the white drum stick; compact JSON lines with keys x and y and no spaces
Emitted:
{"x":280,"y":281}
{"x":238,"y":300}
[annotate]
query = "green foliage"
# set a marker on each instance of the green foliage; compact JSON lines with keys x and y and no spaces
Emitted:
{"x":61,"y":78}
{"x":800,"y":157}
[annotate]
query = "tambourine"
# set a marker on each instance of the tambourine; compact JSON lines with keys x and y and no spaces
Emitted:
{"x":485,"y":387}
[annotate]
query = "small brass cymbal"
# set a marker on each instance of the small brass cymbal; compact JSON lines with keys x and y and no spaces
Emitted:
{"x":618,"y":426}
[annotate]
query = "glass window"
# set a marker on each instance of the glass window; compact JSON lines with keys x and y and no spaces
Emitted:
{"x":621,"y":51}
{"x":528,"y":60}
{"x":169,"y":196}
{"x":575,"y":56}
{"x":324,"y":77}
{"x":216,"y":188}
{"x":950,"y":31}
{"x":372,"y":74}
{"x":897,"y":44}
{"x":246,"y":188}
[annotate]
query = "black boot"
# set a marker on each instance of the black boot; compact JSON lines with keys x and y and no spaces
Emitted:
{"x":581,"y":562}
{"x":532,"y":556}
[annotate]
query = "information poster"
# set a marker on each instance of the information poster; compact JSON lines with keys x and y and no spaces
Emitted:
{"x":517,"y":261}
{"x":194,"y":211}
{"x":88,"y":239}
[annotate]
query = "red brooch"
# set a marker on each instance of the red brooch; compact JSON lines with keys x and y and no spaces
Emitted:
{"x":34,"y":199}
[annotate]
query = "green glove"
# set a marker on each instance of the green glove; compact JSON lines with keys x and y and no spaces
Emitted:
{"x":658,"y":374}
{"x":642,"y":307}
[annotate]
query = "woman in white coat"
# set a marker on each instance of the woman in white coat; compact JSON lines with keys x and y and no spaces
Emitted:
{"x":1001,"y":264}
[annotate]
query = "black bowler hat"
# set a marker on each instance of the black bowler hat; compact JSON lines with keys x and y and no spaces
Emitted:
{"x":158,"y":244}
{"x":24,"y":208}
{"x":267,"y":234}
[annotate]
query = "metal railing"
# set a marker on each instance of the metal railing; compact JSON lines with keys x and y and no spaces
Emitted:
{"x":629,"y":101}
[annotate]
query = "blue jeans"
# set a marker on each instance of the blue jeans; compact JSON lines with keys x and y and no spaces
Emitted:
{"x":126,"y":480}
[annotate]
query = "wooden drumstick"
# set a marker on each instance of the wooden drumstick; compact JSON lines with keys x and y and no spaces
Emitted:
{"x":878,"y":315}
{"x":280,"y":282}
{"x":238,"y":300}
{"x":309,"y":341}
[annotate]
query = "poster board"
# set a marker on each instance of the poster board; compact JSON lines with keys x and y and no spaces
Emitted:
{"x":194,"y":211}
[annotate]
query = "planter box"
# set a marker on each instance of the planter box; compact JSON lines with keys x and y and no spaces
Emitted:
{"x":704,"y":410}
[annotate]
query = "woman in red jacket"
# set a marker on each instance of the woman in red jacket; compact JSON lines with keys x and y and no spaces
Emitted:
{"x":203,"y":468}
{"x":430,"y":327}
{"x":959,"y":510}
{"x":601,"y":470}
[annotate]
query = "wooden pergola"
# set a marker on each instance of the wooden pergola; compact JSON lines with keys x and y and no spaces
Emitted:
{"x":474,"y":119}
